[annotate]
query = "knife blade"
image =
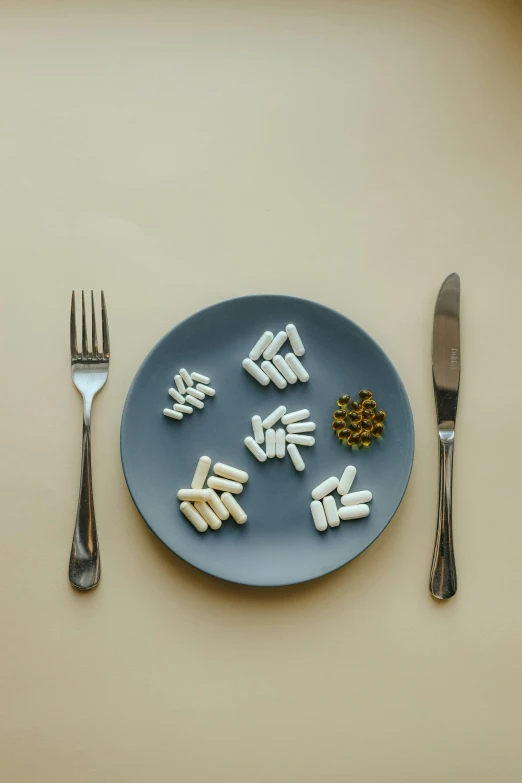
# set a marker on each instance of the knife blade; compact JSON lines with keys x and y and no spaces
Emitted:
{"x":446,"y":383}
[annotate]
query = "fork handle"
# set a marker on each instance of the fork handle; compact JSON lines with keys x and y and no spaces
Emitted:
{"x":443,"y":578}
{"x":84,"y":565}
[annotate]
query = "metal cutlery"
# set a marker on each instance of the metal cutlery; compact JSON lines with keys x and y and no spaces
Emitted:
{"x":446,"y":382}
{"x":90,"y":369}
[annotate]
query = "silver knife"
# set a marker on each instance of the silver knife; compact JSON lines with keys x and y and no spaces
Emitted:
{"x":445,"y":358}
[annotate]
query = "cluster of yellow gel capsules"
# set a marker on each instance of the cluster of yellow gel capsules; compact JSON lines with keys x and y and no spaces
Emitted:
{"x":357,"y":422}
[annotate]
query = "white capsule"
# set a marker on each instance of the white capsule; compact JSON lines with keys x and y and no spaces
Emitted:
{"x":305,"y":426}
{"x":224,"y":485}
{"x":255,"y":448}
{"x":296,"y":457}
{"x":263,"y":342}
{"x":194,"y":401}
{"x":194,"y":516}
{"x":174,"y":393}
{"x":194,"y":494}
{"x":274,"y":417}
{"x":210,"y":517}
{"x":330,"y":509}
{"x":291,"y":418}
{"x":182,"y":408}
{"x":355,"y":498}
{"x":280,"y":443}
{"x":201,"y":473}
{"x":194,"y":392}
{"x":284,"y":368}
{"x":297,"y":367}
{"x":295,"y":340}
{"x":178,"y":380}
{"x":256,"y":372}
{"x":274,"y":375}
{"x":235,"y":509}
{"x":354,"y":512}
{"x":275,"y":345}
{"x":172,"y":414}
{"x":318,"y":515}
{"x":301,"y":440}
{"x":228,"y":472}
{"x":187,"y":380}
{"x":325,"y":488}
{"x":257,"y":428}
{"x":346,"y":480}
{"x":270,"y":444}
{"x":196,"y":376}
{"x":207,"y":390}
{"x":215,"y":503}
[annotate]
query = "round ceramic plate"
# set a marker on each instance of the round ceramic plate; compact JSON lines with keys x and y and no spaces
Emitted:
{"x":279,"y":544}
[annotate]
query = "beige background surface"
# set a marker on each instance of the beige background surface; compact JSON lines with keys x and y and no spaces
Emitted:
{"x":179,"y":153}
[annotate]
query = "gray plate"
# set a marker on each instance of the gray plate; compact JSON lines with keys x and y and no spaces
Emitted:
{"x":279,"y":544}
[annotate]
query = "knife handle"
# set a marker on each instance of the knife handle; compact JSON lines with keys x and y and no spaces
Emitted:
{"x":443,"y":577}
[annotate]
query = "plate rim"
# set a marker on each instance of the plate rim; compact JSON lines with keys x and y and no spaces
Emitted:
{"x":336,"y":313}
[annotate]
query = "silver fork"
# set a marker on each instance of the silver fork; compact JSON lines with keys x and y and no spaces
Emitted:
{"x":89,"y":373}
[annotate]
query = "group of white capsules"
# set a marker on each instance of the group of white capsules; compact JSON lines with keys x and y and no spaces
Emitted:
{"x":202,"y":506}
{"x":354,"y":504}
{"x":192,"y":388}
{"x":276,"y":368}
{"x":278,"y":441}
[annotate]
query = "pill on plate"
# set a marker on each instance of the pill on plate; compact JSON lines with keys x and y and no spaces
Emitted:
{"x":301,"y":440}
{"x":210,"y":517}
{"x":263,"y":342}
{"x":296,"y":457}
{"x":201,"y":472}
{"x":275,"y":345}
{"x":330,"y":509}
{"x":291,"y":418}
{"x":346,"y":480}
{"x":215,"y":503}
{"x":257,"y":428}
{"x":178,"y":380}
{"x":228,"y":472}
{"x":196,"y":376}
{"x":325,"y":488}
{"x":195,"y":393}
{"x":194,"y":516}
{"x":280,"y":443}
{"x":174,"y":393}
{"x":297,"y":367}
{"x":224,"y":485}
{"x":172,"y":414}
{"x":235,"y":509}
{"x":187,"y":380}
{"x":194,"y":494}
{"x":318,"y":515}
{"x":274,"y":374}
{"x":305,"y":426}
{"x":255,"y":448}
{"x":295,"y":340}
{"x":284,"y":368}
{"x":270,"y":444}
{"x":182,"y":408}
{"x":256,"y":372}
{"x":355,"y":498}
{"x":208,"y":390}
{"x":194,"y":401}
{"x":274,"y":417}
{"x":354,"y":512}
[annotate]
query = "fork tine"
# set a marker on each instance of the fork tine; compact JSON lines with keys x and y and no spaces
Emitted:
{"x":105,"y":328}
{"x":85,"y":348}
{"x":74,"y":349}
{"x":94,"y":345}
